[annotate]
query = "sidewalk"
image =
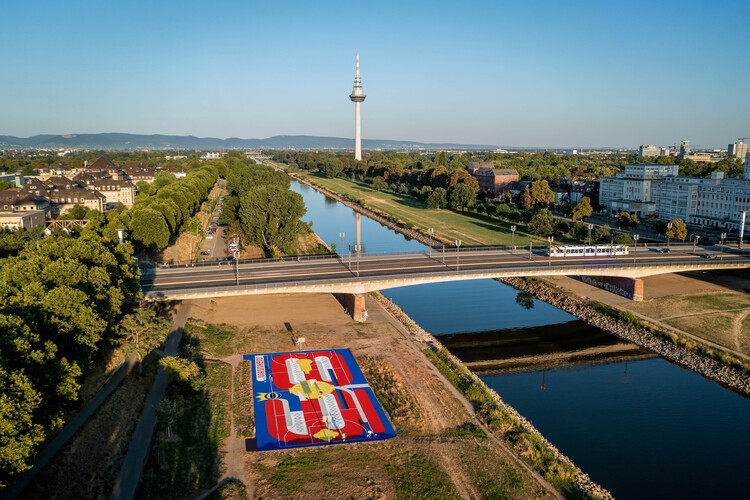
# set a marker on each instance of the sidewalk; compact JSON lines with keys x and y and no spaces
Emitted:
{"x":130,"y":475}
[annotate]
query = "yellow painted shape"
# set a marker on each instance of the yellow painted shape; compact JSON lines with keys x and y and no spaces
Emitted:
{"x":325,"y":434}
{"x":305,"y":365}
{"x":311,"y":389}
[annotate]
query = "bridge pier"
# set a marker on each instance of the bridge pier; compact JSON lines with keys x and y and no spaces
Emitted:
{"x":354,"y":303}
{"x":631,"y":288}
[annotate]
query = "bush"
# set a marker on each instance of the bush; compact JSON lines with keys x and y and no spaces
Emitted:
{"x":561,"y":226}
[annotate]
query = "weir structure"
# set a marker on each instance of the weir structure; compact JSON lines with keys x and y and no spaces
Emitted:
{"x":357,"y":96}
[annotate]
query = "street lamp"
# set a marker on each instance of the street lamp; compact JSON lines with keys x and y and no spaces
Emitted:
{"x":669,"y":231}
{"x":696,"y":237}
{"x":458,"y":246}
{"x":357,"y":249}
{"x":341,"y":252}
{"x":512,"y":238}
{"x":591,"y":226}
{"x":549,"y":250}
{"x":635,"y":240}
{"x":429,"y":233}
{"x":723,"y":237}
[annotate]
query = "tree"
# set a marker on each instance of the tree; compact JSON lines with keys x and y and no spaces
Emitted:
{"x":6,"y":185}
{"x":536,"y":196}
{"x":332,"y":167}
{"x":461,"y":196}
{"x":462,"y":177}
{"x":678,"y":230}
{"x":659,"y":227}
{"x":582,"y":209}
{"x":78,"y":212}
{"x":378,"y":183}
{"x":184,"y":372}
{"x":270,"y":216}
{"x":561,"y":226}
{"x":163,"y":178}
{"x":525,"y":300}
{"x":437,"y":198}
{"x":580,"y":231}
{"x":601,"y":234}
{"x":142,"y":332}
{"x":167,"y":413}
{"x":626,"y":220}
{"x":541,"y":223}
{"x":28,"y":170}
{"x":149,"y":228}
{"x":623,"y":239}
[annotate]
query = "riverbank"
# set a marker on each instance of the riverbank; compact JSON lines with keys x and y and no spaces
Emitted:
{"x":667,"y":344}
{"x":510,"y":432}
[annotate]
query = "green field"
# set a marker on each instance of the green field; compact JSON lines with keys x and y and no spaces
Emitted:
{"x":472,"y":228}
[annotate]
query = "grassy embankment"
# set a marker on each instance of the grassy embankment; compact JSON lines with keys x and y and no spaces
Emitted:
{"x":472,"y":228}
{"x":712,"y":316}
{"x":404,"y":467}
{"x":529,"y":446}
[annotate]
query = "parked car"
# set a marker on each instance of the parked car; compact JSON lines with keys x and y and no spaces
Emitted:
{"x":206,"y":252}
{"x":709,"y":255}
{"x":665,"y":250}
{"x":210,"y":237}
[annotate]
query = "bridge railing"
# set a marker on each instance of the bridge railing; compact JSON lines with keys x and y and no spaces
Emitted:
{"x":623,"y":263}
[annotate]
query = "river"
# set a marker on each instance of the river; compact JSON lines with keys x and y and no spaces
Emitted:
{"x":640,"y":426}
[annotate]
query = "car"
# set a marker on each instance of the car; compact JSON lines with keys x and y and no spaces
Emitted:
{"x":206,"y":252}
{"x":210,"y":237}
{"x":709,"y":256}
{"x":665,"y":250}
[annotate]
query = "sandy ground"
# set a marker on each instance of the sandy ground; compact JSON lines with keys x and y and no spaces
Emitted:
{"x":269,"y":323}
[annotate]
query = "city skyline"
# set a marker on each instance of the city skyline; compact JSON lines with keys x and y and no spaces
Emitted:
{"x":546,"y":75}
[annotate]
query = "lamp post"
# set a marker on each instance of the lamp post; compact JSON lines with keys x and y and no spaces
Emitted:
{"x":458,"y":246}
{"x":696,"y":237}
{"x":590,"y":226}
{"x":531,"y":243}
{"x":341,"y":252}
{"x":549,"y":250}
{"x":357,"y":249}
{"x":635,"y":240}
{"x":512,"y":238}
{"x":429,"y":234}
{"x":669,"y":231}
{"x":723,"y":237}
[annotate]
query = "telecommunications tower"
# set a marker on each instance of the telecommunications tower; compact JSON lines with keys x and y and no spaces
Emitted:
{"x":357,"y":96}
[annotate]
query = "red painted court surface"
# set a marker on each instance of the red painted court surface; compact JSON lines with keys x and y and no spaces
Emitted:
{"x":313,"y":398}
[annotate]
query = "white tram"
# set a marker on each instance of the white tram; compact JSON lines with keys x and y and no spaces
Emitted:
{"x":587,"y":250}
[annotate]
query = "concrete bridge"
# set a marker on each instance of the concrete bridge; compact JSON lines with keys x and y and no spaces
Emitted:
{"x":350,"y":277}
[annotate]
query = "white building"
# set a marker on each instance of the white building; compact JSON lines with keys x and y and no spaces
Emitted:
{"x":647,"y":151}
{"x":737,"y":150}
{"x":657,"y":189}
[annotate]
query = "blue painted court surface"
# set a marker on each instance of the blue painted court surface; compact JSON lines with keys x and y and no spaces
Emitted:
{"x":312,"y":398}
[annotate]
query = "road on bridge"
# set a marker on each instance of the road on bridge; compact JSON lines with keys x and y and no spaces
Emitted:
{"x":162,"y":281}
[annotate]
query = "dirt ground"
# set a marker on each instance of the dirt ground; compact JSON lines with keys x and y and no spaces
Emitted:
{"x":270,"y":323}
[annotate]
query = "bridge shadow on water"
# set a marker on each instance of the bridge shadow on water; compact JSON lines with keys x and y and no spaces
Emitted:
{"x":541,"y":347}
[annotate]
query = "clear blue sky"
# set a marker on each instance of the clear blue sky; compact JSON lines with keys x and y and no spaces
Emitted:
{"x":557,"y":73}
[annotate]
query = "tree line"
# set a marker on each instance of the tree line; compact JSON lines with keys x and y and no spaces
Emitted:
{"x":262,"y":209}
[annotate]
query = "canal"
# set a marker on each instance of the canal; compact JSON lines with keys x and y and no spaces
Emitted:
{"x":640,"y":426}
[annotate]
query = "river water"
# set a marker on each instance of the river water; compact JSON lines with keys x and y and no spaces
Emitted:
{"x":639,"y":425}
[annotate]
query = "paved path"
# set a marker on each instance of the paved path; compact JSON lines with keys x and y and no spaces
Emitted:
{"x":130,"y":474}
{"x":72,"y":427}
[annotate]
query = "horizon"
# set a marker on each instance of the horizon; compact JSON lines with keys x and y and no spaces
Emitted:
{"x":575,"y":76}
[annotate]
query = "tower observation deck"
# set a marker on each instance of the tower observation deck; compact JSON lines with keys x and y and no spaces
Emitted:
{"x":357,"y":96}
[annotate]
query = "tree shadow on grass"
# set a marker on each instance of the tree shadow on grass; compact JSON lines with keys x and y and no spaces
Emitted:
{"x":187,"y":462}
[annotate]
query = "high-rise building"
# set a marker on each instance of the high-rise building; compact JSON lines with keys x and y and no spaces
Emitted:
{"x":684,"y":148}
{"x":647,"y":151}
{"x":737,"y":150}
{"x":357,"y":96}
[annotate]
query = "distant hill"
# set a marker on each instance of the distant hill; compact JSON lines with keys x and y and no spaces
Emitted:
{"x":116,"y":141}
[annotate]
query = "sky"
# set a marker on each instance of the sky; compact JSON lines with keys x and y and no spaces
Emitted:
{"x":534,"y":73}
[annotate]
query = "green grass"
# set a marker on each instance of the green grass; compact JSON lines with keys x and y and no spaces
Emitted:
{"x":391,"y":393}
{"x":472,"y":228}
{"x":494,"y":477}
{"x":291,"y":474}
{"x":466,"y":430}
{"x":717,"y":301}
{"x":188,"y":463}
{"x":418,"y":477}
{"x":529,"y":446}
{"x":217,"y":341}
